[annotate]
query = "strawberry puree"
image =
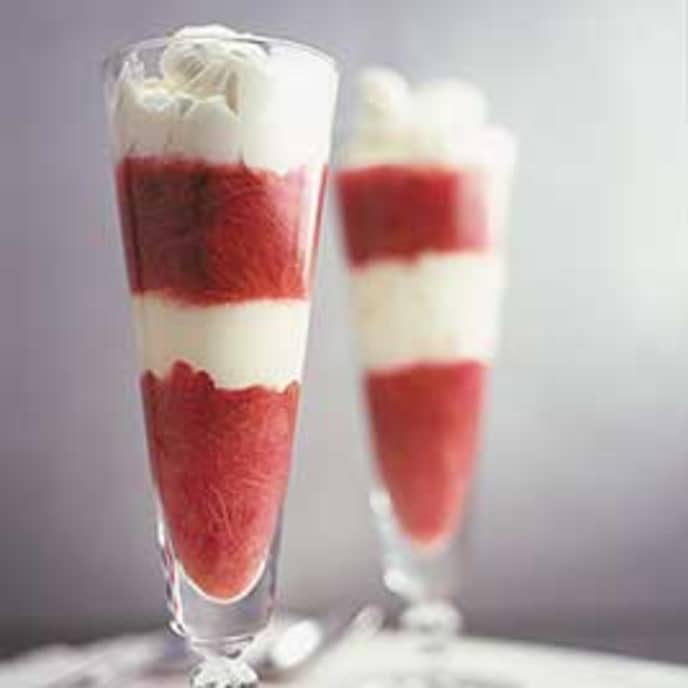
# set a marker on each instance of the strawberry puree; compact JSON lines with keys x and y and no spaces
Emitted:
{"x":425,"y":421}
{"x":220,"y":460}
{"x":201,"y":234}
{"x":399,"y":211}
{"x":206,"y":233}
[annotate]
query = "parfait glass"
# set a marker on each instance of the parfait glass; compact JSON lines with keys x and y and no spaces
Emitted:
{"x":423,"y":188}
{"x":220,"y":144}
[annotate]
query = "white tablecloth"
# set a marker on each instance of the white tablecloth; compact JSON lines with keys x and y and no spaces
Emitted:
{"x":525,"y":666}
{"x":357,"y":663}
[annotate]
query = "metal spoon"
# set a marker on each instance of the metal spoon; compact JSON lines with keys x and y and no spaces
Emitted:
{"x":307,"y":640}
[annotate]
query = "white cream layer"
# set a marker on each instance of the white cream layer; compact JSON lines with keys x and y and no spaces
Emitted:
{"x":260,"y":342}
{"x":441,"y":307}
{"x":219,"y":97}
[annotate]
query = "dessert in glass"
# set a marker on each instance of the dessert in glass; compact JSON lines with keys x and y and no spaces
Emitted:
{"x":423,"y":188}
{"x":220,"y":144}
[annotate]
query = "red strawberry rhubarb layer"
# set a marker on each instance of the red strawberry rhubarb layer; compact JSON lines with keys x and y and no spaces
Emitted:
{"x":220,"y":460}
{"x":425,"y":421}
{"x":401,"y":211}
{"x":209,"y":233}
{"x":219,"y":258}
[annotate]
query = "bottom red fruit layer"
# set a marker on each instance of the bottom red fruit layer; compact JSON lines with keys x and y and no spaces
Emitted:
{"x":425,"y":421}
{"x":220,"y":461}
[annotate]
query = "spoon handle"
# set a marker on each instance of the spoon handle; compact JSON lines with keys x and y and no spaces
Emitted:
{"x":307,"y":640}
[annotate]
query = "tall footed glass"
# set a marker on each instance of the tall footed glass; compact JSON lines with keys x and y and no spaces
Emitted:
{"x":220,"y":143}
{"x":423,"y":189}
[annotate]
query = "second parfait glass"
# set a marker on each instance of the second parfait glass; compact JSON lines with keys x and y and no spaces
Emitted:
{"x":220,"y":142}
{"x":423,"y":189}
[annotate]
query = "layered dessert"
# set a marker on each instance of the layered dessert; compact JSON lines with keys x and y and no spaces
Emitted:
{"x":220,"y":165}
{"x":422,"y":188}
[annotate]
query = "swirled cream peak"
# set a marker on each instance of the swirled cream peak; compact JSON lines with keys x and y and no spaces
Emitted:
{"x":205,"y":61}
{"x":442,"y":121}
{"x":218,"y":95}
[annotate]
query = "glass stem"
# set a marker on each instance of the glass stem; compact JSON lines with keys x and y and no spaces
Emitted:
{"x":435,"y":623}
{"x":222,"y":665}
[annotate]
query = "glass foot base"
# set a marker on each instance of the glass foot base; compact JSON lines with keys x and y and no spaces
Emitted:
{"x":222,"y":672}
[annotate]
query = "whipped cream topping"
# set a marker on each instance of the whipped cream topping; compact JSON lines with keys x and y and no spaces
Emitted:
{"x":443,"y":122}
{"x":219,"y":95}
{"x":260,"y":342}
{"x":441,"y":307}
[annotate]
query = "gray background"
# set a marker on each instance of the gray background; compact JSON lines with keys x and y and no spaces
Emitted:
{"x":579,"y":529}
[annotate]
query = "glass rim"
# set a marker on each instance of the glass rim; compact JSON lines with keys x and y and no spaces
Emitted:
{"x":120,"y":52}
